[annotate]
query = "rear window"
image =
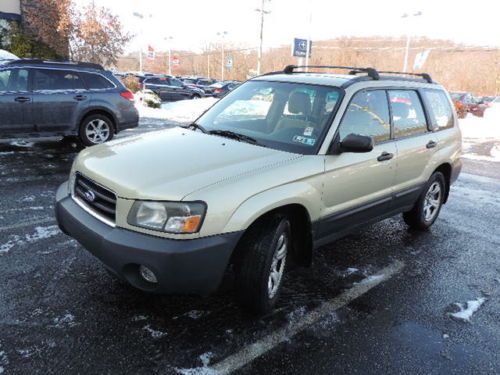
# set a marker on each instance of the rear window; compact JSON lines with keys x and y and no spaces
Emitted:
{"x":96,"y":81}
{"x":440,"y":110}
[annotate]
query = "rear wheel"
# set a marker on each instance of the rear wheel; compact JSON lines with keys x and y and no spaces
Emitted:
{"x":196,"y":96}
{"x":261,"y":268}
{"x":428,"y":205}
{"x":96,"y":129}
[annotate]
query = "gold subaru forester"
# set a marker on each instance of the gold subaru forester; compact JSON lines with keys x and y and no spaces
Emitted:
{"x":285,"y":163}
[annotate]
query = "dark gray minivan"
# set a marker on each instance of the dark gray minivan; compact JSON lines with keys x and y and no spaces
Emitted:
{"x":43,"y":98}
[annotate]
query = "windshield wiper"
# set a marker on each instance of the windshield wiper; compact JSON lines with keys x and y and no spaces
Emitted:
{"x":195,"y":126}
{"x":233,"y":135}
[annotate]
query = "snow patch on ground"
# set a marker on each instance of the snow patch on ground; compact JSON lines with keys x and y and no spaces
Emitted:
{"x":43,"y":233}
{"x":183,"y":111}
{"x":39,"y":234}
{"x":195,"y":314}
{"x":65,"y":321}
{"x":466,"y":311}
{"x":138,"y":318}
{"x":477,"y":131}
{"x":205,"y":359}
{"x":370,"y":279}
{"x":4,"y":360}
{"x":351,"y":270}
{"x":156,"y":334}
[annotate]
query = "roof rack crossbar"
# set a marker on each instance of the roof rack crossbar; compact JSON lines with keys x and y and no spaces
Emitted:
{"x":371,"y":72}
{"x":425,"y":76}
{"x":61,"y":62}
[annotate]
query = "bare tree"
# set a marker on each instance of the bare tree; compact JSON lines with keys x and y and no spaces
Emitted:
{"x":97,"y":36}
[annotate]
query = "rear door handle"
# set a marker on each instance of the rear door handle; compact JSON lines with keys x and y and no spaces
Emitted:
{"x":22,"y":99}
{"x":385,"y":156}
{"x":431,"y":144}
{"x":80,"y":97}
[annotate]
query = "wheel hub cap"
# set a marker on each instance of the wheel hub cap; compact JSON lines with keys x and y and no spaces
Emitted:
{"x":97,"y":131}
{"x":277,"y":266}
{"x":432,"y":201}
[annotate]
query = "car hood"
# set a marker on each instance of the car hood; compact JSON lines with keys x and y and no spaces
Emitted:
{"x":170,"y":164}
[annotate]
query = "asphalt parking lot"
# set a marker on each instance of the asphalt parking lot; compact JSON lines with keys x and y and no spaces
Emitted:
{"x":377,"y":302}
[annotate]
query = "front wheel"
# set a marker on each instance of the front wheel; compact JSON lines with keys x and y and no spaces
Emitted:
{"x":260,"y":271}
{"x":196,"y":96}
{"x":96,"y":129}
{"x":428,"y":205}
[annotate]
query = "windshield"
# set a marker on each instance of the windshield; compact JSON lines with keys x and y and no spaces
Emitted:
{"x":286,"y":116}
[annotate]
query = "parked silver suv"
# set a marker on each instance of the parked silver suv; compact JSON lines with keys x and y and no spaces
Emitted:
{"x":285,"y":163}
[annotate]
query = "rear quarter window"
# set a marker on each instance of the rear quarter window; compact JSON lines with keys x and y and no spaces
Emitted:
{"x":440,"y":110}
{"x":96,"y":81}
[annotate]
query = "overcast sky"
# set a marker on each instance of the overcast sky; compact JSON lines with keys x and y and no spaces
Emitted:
{"x":192,"y":23}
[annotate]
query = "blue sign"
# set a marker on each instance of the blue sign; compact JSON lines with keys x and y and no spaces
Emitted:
{"x":300,"y":47}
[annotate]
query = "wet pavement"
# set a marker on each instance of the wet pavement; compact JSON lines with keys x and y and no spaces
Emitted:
{"x":62,"y":313}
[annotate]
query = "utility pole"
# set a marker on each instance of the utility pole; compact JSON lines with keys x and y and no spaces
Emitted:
{"x":262,"y":12}
{"x":408,"y":37}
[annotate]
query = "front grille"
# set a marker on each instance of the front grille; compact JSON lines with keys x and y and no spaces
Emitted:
{"x":96,"y":197}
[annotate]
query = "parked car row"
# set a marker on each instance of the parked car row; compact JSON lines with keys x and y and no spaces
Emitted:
{"x":172,"y":88}
{"x":465,"y":103}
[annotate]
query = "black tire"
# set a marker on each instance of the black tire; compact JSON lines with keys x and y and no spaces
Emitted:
{"x":97,"y":121}
{"x":196,"y":96}
{"x":418,"y":217}
{"x":253,"y":268}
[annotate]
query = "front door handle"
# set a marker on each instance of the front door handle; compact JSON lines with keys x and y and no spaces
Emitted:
{"x":431,"y":144}
{"x":22,"y":99}
{"x":80,"y":97}
{"x":385,"y":156}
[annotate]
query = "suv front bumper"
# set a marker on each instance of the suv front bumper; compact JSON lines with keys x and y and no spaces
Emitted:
{"x":181,"y":266}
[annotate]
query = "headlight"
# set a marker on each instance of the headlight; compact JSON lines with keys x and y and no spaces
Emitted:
{"x":170,"y":217}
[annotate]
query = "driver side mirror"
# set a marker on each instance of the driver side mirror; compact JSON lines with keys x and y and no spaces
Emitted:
{"x":356,"y":143}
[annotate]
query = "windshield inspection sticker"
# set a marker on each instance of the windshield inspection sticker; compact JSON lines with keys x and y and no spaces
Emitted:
{"x":308,"y":131}
{"x":304,"y":140}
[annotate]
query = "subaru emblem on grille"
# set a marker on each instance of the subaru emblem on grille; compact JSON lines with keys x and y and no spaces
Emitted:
{"x":89,"y":196}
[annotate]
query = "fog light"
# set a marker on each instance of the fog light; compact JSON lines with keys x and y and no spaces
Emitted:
{"x":147,"y":274}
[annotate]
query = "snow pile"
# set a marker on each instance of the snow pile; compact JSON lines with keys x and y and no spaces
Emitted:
{"x":183,"y":111}
{"x":476,"y":132}
{"x":466,"y":312}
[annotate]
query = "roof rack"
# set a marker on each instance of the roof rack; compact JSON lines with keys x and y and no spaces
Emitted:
{"x":425,"y":76}
{"x":371,"y":72}
{"x":55,"y":62}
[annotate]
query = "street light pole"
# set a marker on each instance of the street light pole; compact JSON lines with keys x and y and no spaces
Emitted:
{"x":169,"y":39}
{"x":408,"y":37}
{"x":263,"y":12}
{"x":222,"y":34}
{"x":141,"y":31}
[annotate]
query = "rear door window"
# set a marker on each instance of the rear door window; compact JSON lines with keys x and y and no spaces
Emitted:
{"x":440,"y":110}
{"x":367,"y":114}
{"x":407,"y":113}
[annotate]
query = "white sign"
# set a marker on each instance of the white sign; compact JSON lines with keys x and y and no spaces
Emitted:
{"x":420,"y":59}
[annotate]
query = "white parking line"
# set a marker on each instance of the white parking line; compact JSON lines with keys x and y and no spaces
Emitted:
{"x":28,"y":223}
{"x":264,"y":345}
